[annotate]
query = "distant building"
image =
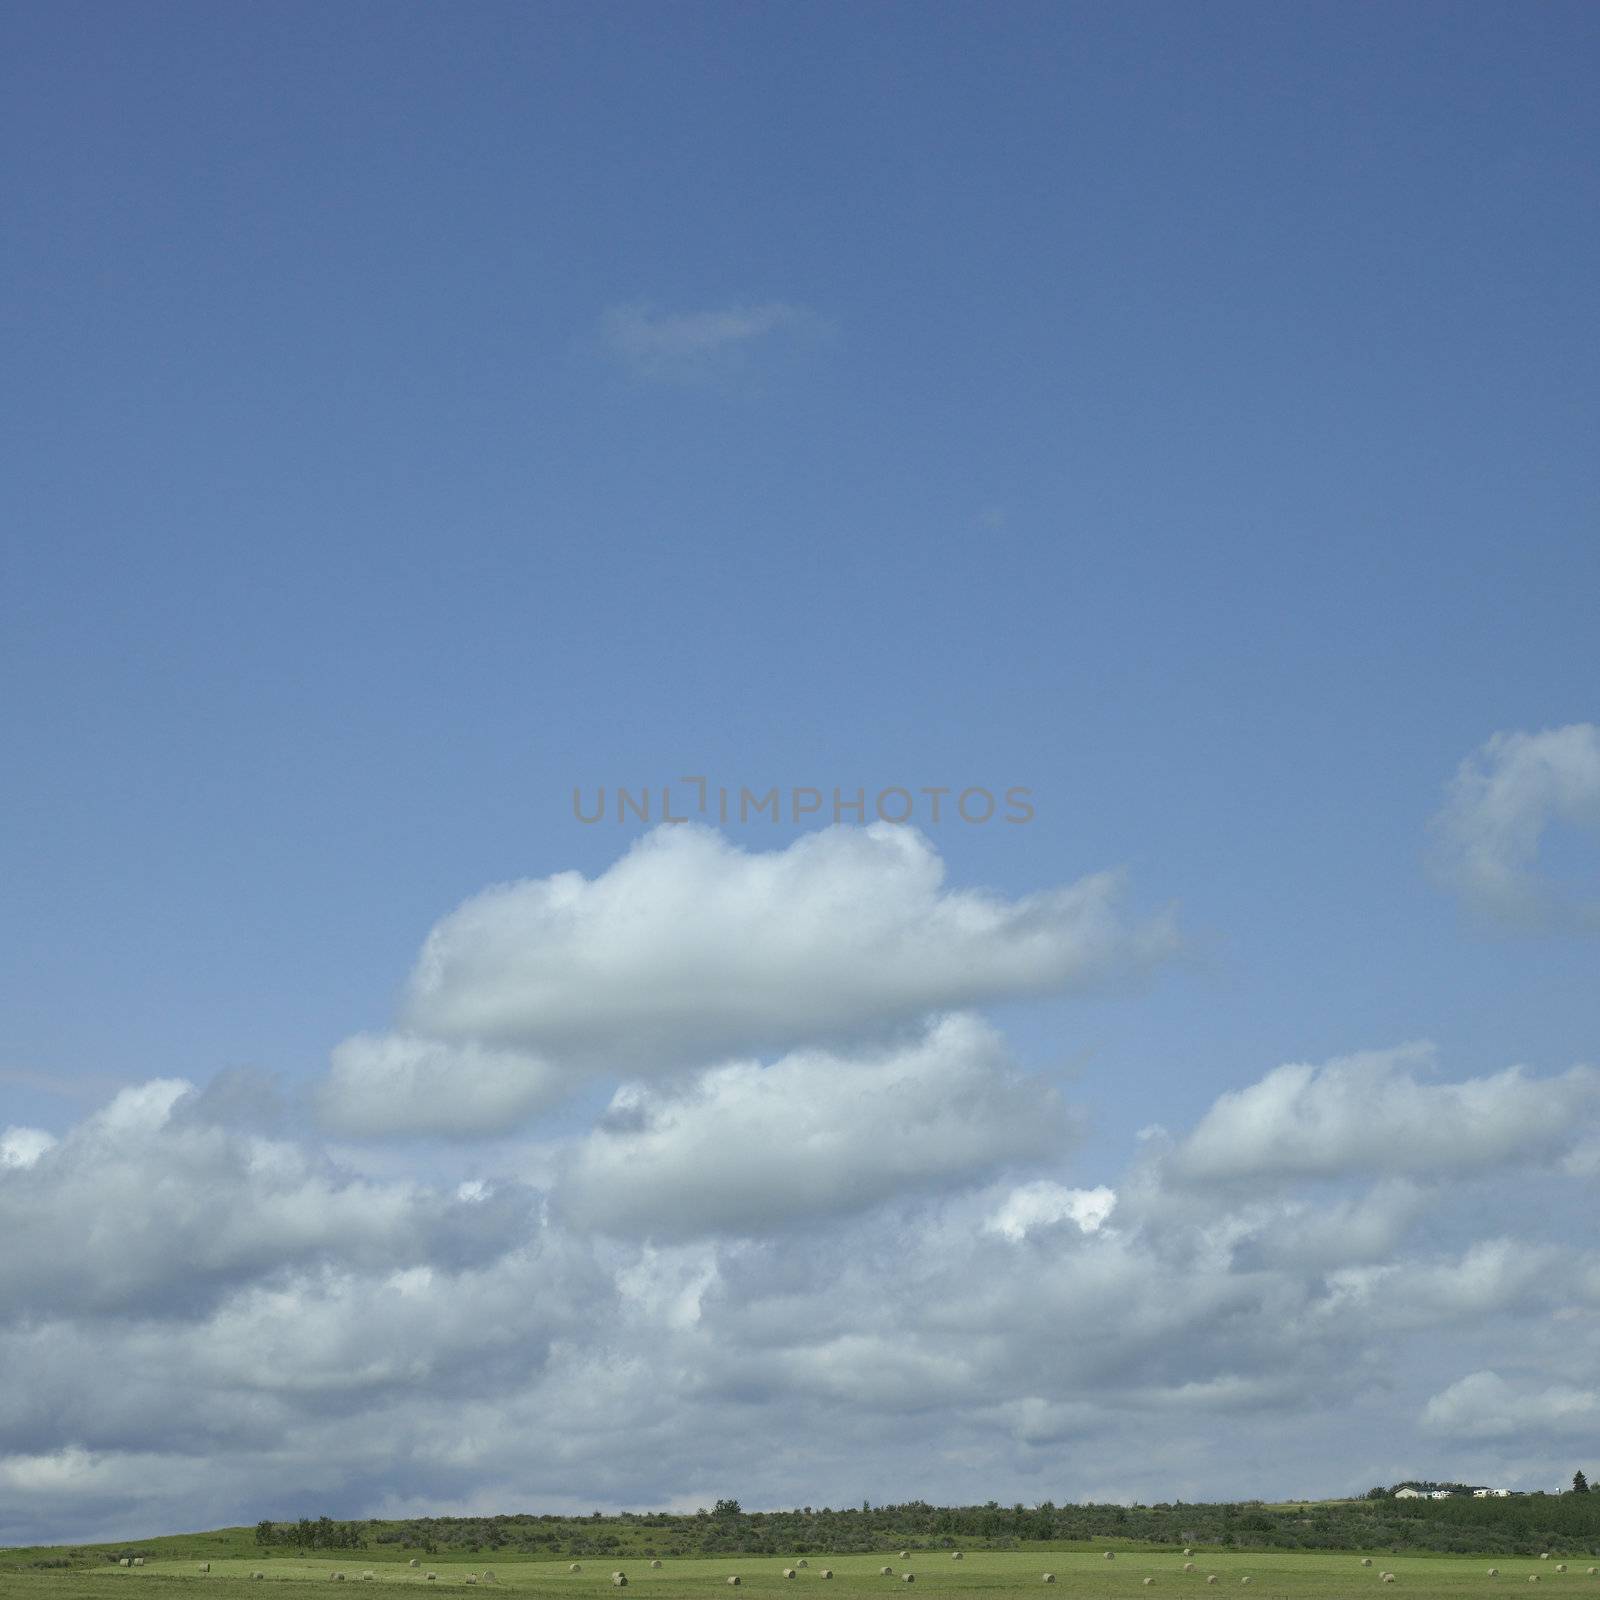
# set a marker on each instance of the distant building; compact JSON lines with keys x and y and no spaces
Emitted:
{"x":1410,"y":1494}
{"x":1441,"y":1494}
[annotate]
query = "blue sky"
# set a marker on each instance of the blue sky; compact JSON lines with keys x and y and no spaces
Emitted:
{"x":415,"y":412}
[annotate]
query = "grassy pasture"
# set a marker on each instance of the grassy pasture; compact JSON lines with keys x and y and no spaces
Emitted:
{"x":981,"y":1575}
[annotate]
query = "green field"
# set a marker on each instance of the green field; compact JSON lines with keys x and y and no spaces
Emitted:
{"x":1274,"y":1575}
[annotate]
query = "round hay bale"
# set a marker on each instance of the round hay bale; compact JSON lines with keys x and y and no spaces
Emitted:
{"x":414,"y":1562}
{"x":1188,"y":1566}
{"x":802,"y":1562}
{"x":1188,"y":1552}
{"x":472,"y":1577}
{"x":1494,"y":1572}
{"x":1366,"y":1561}
{"x":1047,"y":1577}
{"x":432,"y":1576}
{"x":138,"y":1561}
{"x":1245,"y":1578}
{"x":827,"y":1572}
{"x":1561,"y":1566}
{"x":905,"y":1555}
{"x":733,"y":1583}
{"x":126,"y":1561}
{"x":885,"y":1572}
{"x":1211,"y":1577}
{"x":788,"y":1572}
{"x":619,"y":1580}
{"x":1148,"y":1582}
{"x":1111,"y":1555}
{"x":205,"y":1566}
{"x":656,"y":1563}
{"x":955,"y":1555}
{"x":1388,"y":1577}
{"x":909,"y":1577}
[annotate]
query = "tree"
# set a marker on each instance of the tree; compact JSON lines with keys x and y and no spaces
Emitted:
{"x":726,"y":1508}
{"x":1580,"y":1484}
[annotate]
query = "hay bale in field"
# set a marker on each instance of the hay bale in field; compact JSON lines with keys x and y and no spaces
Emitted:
{"x":1388,"y":1577}
{"x":1188,"y":1566}
{"x":1111,"y":1555}
{"x":1494,"y":1572}
{"x":655,"y":1564}
{"x":1047,"y":1577}
{"x":1245,"y":1578}
{"x":619,"y":1580}
{"x":905,"y":1555}
{"x":788,"y":1572}
{"x":205,"y":1566}
{"x":573,"y":1568}
{"x":1561,"y":1566}
{"x":126,"y":1561}
{"x":802,"y":1562}
{"x":1148,"y":1582}
{"x":1188,"y":1552}
{"x":733,"y":1583}
{"x":827,"y":1572}
{"x":472,"y":1577}
{"x":414,"y":1562}
{"x":1211,"y":1577}
{"x":138,"y":1561}
{"x":909,"y":1577}
{"x":338,"y":1577}
{"x":488,"y":1577}
{"x":885,"y":1572}
{"x":432,"y":1576}
{"x":1366,"y":1561}
{"x":956,"y":1555}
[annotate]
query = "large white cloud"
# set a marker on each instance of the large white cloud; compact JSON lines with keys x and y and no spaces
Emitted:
{"x":207,"y":1325}
{"x":1374,"y":1112}
{"x":748,"y":1149}
{"x":1502,"y":800}
{"x":145,"y":1204}
{"x":689,"y":950}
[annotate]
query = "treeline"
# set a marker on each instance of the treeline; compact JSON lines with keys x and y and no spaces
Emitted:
{"x":1567,"y":1524}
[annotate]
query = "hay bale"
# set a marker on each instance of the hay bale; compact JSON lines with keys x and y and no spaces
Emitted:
{"x":788,"y":1572}
{"x":573,"y":1568}
{"x":1366,"y":1561}
{"x":1188,"y":1552}
{"x":1494,"y":1572}
{"x":956,"y":1555}
{"x":1047,"y":1577}
{"x":414,"y":1562}
{"x":802,"y":1562}
{"x":905,"y":1555}
{"x":885,"y":1572}
{"x":138,"y":1561}
{"x":1561,"y":1566}
{"x":432,"y":1576}
{"x":126,"y":1561}
{"x":656,"y":1563}
{"x":1211,"y":1577}
{"x":733,"y":1583}
{"x":619,"y":1580}
{"x":827,"y":1572}
{"x":1188,"y":1566}
{"x":1148,"y":1582}
{"x":1111,"y":1555}
{"x":909,"y":1577}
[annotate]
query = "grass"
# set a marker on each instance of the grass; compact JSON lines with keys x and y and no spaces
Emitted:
{"x":981,"y":1575}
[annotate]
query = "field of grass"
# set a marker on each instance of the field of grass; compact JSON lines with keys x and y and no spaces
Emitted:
{"x":980,"y":1575}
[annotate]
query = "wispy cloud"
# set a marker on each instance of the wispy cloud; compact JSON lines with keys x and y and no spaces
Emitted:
{"x":1487,"y":836}
{"x":696,"y":346}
